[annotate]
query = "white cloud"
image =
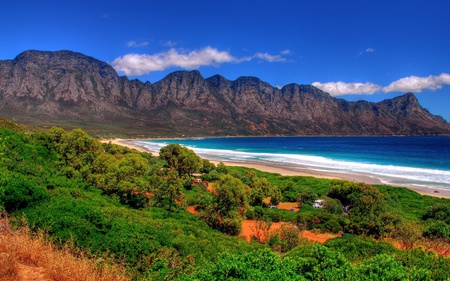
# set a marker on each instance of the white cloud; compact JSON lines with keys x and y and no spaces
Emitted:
{"x":139,"y":64}
{"x":418,"y":84}
{"x":269,"y":58}
{"x":137,"y":44}
{"x":169,"y":43}
{"x":341,"y":88}
{"x":366,"y":51}
{"x":407,"y":84}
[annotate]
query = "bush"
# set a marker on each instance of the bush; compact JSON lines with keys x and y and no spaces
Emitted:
{"x":307,"y":196}
{"x":357,"y":249}
{"x":20,"y":193}
{"x":332,"y":226}
{"x":439,"y":212}
{"x":437,"y":230}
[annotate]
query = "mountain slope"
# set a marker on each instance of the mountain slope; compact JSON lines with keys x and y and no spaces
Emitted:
{"x":70,"y":89}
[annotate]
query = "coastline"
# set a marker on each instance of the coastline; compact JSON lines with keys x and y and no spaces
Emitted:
{"x":297,"y":171}
{"x":127,"y":143}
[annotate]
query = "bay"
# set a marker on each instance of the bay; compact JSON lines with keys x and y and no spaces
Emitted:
{"x":402,"y":161}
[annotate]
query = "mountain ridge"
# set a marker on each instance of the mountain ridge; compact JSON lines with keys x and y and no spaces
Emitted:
{"x":68,"y":87}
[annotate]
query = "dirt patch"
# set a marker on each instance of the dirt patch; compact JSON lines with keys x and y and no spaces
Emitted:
{"x":191,"y":209}
{"x":249,"y":229}
{"x":318,"y":237}
{"x":289,"y":206}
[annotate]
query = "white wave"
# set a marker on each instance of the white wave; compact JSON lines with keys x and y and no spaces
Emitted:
{"x":385,"y":173}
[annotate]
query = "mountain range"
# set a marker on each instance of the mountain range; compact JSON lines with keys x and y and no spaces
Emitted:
{"x":69,"y":89}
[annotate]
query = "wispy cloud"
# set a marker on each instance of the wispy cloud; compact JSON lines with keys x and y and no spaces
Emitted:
{"x":366,"y":51}
{"x":407,"y":84}
{"x":139,"y":64}
{"x":286,"y":52}
{"x":137,"y":44}
{"x":169,"y":43}
{"x":264,"y":57}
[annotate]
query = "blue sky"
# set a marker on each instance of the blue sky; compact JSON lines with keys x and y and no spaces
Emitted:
{"x":352,"y":49}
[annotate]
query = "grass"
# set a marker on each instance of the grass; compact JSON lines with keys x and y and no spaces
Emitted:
{"x":20,"y":250}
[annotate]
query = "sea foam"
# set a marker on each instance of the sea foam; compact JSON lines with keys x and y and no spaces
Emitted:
{"x":388,"y":174}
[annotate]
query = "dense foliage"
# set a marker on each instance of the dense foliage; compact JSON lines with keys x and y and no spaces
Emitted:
{"x":105,"y":198}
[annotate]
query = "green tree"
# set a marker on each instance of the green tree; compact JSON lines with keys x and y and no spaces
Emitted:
{"x":332,"y":206}
{"x":260,"y":189}
{"x":228,"y":206}
{"x":207,"y":166}
{"x":286,"y":238}
{"x":76,"y":149}
{"x":367,"y":205}
{"x":181,"y":159}
{"x":307,"y":196}
{"x":169,"y":191}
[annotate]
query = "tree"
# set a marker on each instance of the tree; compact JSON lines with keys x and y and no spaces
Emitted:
{"x":169,"y":191}
{"x":75,"y":149}
{"x":260,"y":189}
{"x":228,"y":206}
{"x":207,"y":166}
{"x":231,"y":195}
{"x":367,"y":205}
{"x":332,"y":206}
{"x":307,"y":196}
{"x":286,"y":238}
{"x":181,"y":159}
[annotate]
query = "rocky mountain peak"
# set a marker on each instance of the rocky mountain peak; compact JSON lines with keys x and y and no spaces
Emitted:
{"x":69,"y":87}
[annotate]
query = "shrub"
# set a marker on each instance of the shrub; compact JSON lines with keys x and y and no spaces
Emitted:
{"x":307,"y":196}
{"x":438,"y":212}
{"x":20,"y":193}
{"x":332,"y":226}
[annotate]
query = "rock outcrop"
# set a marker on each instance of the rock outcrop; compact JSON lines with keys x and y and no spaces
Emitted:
{"x":70,"y":89}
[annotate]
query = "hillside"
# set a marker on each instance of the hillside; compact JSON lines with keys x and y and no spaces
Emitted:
{"x":70,"y":89}
{"x":116,"y":205}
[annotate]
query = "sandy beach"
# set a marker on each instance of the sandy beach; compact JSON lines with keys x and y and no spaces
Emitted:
{"x":296,"y":171}
{"x":126,"y":142}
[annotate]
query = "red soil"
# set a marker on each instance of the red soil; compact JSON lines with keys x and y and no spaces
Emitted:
{"x":249,"y":226}
{"x":191,"y":209}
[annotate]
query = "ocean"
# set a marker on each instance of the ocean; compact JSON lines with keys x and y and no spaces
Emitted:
{"x":399,"y":161}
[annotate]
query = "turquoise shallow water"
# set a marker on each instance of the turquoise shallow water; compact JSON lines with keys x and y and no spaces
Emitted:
{"x":419,"y":161}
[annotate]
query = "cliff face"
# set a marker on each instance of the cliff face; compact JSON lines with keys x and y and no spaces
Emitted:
{"x":66,"y":87}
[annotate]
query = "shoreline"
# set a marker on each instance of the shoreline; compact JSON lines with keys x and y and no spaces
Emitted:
{"x":285,"y":170}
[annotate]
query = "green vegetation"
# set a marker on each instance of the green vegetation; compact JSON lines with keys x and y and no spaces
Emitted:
{"x":131,"y":206}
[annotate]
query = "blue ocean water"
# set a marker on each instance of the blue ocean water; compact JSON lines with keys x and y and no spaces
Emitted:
{"x":420,"y":161}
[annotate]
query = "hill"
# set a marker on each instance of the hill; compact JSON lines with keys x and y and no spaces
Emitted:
{"x":70,"y":89}
{"x":116,"y":205}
